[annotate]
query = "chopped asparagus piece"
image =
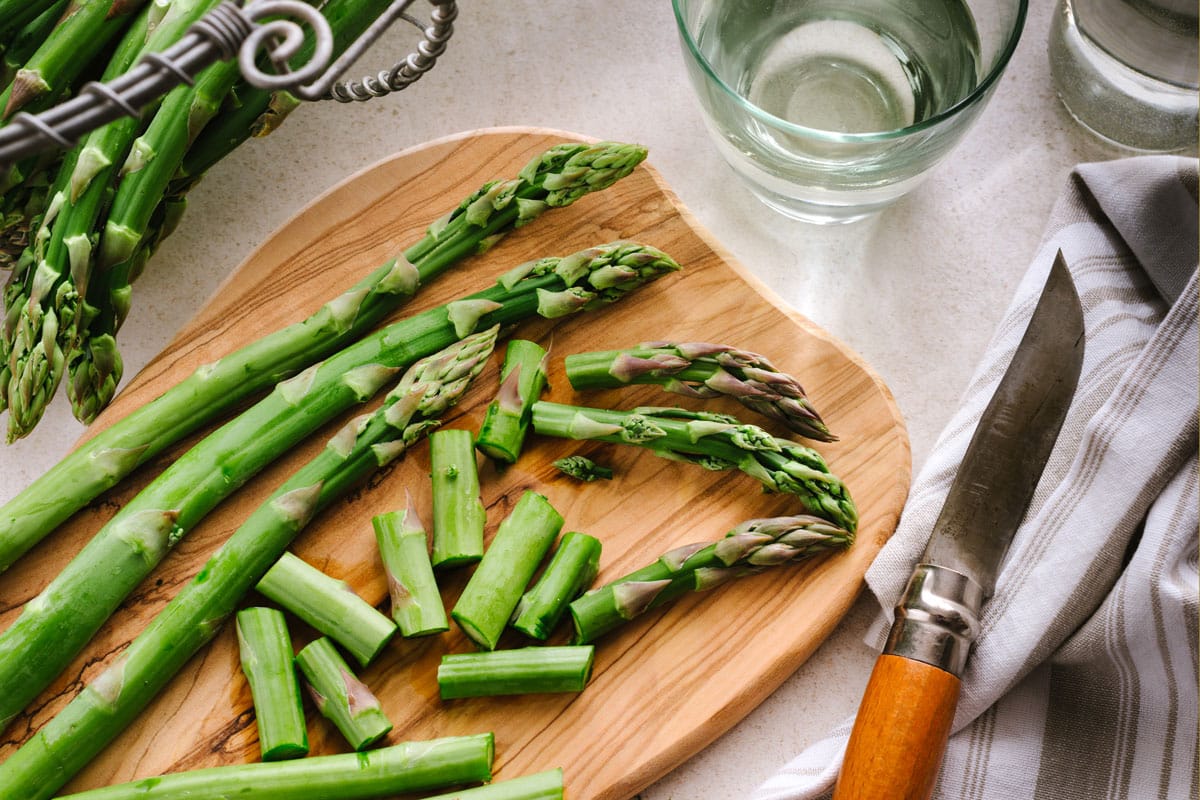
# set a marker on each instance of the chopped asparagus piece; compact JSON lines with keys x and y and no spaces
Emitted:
{"x":341,"y":697}
{"x":416,"y":603}
{"x":570,"y":572}
{"x":265,"y":650}
{"x":522,"y":381}
{"x":521,"y":542}
{"x":458,"y":513}
{"x":529,"y":670}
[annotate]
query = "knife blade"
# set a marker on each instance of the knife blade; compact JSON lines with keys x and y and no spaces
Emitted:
{"x":903,"y":723}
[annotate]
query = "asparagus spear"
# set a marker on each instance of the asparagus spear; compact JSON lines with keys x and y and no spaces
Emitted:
{"x":530,"y":670}
{"x":557,"y":178}
{"x":570,"y":572}
{"x":703,"y":370}
{"x":407,"y":767}
{"x":49,"y":319}
{"x":495,"y":588}
{"x":113,"y":699}
{"x":522,"y":381}
{"x":16,"y":14}
{"x":341,"y":697}
{"x":56,"y":624}
{"x":713,"y":441}
{"x":416,"y":603}
{"x":329,"y":605}
{"x":265,"y":650}
{"x":458,"y":513}
{"x":749,"y":548}
{"x":30,"y":36}
{"x":583,"y":468}
{"x":546,"y":785}
{"x":83,"y":32}
{"x":38,"y":270}
{"x":94,"y":367}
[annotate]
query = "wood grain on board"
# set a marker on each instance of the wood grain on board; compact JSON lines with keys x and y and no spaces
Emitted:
{"x":665,"y":685}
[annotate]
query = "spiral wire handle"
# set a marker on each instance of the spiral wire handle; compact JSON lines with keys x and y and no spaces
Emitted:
{"x":230,"y":30}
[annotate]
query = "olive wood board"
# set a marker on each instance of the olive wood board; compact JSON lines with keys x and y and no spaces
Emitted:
{"x":665,"y":685}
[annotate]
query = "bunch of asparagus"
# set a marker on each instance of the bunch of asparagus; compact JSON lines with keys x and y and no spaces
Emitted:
{"x":77,"y":228}
{"x":54,"y":626}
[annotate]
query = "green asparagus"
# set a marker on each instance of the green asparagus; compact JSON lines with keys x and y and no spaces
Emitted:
{"x":570,"y":572}
{"x":556,"y":178}
{"x":83,"y":32}
{"x":522,"y":381}
{"x":48,"y":324}
{"x":713,"y":441}
{"x":416,"y":603}
{"x":407,"y":767}
{"x":341,"y":697}
{"x":329,"y":605}
{"x":113,"y":699}
{"x":93,"y":364}
{"x":546,"y":785}
{"x":529,"y":670}
{"x":521,"y":542}
{"x":747,"y":549}
{"x":702,"y":370}
{"x":56,"y":624}
{"x":265,"y":650}
{"x":29,"y":38}
{"x":583,"y":468}
{"x":458,"y":513}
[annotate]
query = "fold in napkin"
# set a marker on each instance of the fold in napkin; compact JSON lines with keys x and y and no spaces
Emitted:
{"x":1083,"y":682}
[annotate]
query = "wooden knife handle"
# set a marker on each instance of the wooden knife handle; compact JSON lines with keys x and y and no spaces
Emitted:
{"x":900,"y":734}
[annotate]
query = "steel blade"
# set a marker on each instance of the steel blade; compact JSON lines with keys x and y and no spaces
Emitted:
{"x":1010,"y":446}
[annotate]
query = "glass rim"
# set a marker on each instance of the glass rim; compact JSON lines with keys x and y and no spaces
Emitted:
{"x":970,"y":99}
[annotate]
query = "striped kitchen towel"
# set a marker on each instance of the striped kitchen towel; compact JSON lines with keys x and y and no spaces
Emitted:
{"x":1083,"y":682}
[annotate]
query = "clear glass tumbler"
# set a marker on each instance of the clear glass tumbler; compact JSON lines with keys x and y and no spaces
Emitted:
{"x":1129,"y":70}
{"x":832,"y":109}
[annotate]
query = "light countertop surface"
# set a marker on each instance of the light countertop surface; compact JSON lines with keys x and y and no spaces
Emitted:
{"x":916,"y":291}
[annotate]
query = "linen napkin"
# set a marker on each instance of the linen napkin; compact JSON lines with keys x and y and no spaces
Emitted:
{"x":1083,"y":682}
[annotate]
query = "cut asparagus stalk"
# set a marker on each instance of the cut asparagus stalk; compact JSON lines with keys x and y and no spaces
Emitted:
{"x":416,"y":603}
{"x":583,"y":468}
{"x":546,"y":785}
{"x":216,"y":388}
{"x":712,"y":441}
{"x":747,"y":549}
{"x":522,"y":381}
{"x":341,"y":697}
{"x":265,"y":650}
{"x":521,"y":542}
{"x":329,"y":605}
{"x":703,"y":370}
{"x":570,"y":573}
{"x":529,"y":670}
{"x":113,"y":699}
{"x":458,"y":513}
{"x":407,"y":767}
{"x":56,"y":624}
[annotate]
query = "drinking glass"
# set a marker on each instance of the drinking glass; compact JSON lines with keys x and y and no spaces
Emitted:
{"x":1128,"y":70}
{"x":832,"y":109}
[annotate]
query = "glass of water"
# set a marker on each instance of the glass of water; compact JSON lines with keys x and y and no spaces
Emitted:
{"x":832,"y":109}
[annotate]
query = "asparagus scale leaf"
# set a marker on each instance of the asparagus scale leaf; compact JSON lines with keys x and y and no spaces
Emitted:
{"x":112,"y":700}
{"x":214,"y":389}
{"x":712,"y":441}
{"x":704,"y":370}
{"x":749,"y":548}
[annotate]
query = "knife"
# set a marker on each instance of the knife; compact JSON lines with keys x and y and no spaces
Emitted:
{"x":900,"y":732}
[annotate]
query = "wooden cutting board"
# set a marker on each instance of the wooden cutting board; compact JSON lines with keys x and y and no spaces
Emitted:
{"x":664,"y":686}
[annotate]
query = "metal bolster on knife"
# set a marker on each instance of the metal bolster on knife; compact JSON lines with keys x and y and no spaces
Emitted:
{"x":937,"y":618}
